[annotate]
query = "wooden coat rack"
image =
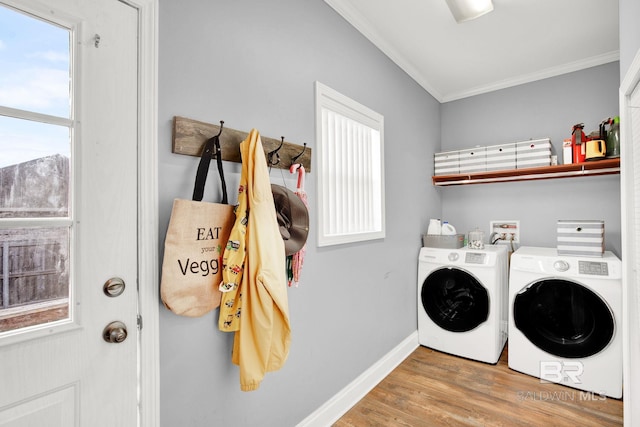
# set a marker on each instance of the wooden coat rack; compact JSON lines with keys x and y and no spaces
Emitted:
{"x":190,"y":135}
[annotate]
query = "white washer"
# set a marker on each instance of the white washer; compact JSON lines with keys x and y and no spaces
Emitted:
{"x":462,"y":301}
{"x":565,"y":318}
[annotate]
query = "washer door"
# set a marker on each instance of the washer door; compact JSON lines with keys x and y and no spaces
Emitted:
{"x":563,"y":318}
{"x":454,"y":300}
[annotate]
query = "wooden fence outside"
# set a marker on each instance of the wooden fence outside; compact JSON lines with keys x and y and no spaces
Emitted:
{"x":34,"y":261}
{"x":35,"y":266}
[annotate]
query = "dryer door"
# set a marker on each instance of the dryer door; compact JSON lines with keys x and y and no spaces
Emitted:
{"x":454,"y":300}
{"x":563,"y":318}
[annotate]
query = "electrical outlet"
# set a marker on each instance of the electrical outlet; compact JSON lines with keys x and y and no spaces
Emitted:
{"x":504,"y":232}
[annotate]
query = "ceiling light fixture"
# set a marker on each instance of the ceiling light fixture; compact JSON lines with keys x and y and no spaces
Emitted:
{"x":466,"y":10}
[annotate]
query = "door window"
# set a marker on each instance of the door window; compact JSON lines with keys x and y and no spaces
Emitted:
{"x":36,"y":130}
{"x":563,"y":318}
{"x":455,"y":300}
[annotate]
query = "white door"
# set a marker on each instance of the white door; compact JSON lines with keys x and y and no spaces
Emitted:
{"x":68,"y":212}
{"x":630,"y":179}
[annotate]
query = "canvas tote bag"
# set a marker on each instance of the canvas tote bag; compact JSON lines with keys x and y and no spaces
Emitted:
{"x":196,"y":238}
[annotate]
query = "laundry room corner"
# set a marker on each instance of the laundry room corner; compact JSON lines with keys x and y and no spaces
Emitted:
{"x":543,"y":109}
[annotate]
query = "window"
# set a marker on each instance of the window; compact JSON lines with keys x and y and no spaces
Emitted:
{"x":36,"y":128}
{"x":350,"y":139}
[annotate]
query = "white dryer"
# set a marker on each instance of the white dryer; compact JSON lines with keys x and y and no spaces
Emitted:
{"x":462,"y":301}
{"x":565,"y":318}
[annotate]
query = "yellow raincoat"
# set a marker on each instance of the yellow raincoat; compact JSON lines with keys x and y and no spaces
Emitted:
{"x":262,"y":340}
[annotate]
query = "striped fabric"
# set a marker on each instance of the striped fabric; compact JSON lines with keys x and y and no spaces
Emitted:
{"x":473,"y":160}
{"x":501,"y":157}
{"x":533,"y":153}
{"x":446,"y":163}
{"x":581,"y":237}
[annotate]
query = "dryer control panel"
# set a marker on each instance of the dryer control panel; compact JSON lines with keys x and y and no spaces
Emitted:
{"x":546,"y":261}
{"x":593,"y":268}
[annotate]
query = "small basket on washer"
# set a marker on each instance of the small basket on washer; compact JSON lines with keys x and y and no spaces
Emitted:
{"x":454,"y":241}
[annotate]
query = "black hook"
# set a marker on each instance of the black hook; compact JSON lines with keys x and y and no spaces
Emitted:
{"x":296,"y":157}
{"x":275,"y":153}
{"x":215,"y":149}
{"x":221,"y":126}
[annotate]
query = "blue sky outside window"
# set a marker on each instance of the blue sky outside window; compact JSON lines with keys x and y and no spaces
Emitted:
{"x":35,"y":78}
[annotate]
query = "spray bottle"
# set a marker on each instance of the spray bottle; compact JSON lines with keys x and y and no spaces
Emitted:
{"x":613,"y":138}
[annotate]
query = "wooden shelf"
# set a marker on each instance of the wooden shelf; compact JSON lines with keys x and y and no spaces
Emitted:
{"x":592,"y":168}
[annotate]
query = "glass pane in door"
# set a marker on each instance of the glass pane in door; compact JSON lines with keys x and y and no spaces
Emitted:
{"x":34,"y":169}
{"x":34,"y":64}
{"x":36,"y":131}
{"x":34,"y":276}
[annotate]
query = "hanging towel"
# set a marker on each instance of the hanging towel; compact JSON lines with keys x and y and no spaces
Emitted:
{"x":262,"y":341}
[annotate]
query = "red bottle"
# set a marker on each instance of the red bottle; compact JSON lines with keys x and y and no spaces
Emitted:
{"x":578,"y":143}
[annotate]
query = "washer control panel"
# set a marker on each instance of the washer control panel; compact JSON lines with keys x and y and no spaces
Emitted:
{"x":475,"y":258}
{"x":453,"y":256}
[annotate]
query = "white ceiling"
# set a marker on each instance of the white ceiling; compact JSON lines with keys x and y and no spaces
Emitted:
{"x":519,"y":42}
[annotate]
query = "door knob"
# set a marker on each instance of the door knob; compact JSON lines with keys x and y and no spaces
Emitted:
{"x":115,"y":332}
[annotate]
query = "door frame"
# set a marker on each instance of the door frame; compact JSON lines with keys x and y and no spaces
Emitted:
{"x":148,"y":276}
{"x":630,"y":293}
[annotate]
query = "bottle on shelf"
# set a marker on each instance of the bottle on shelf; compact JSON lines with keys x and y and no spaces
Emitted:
{"x":448,"y":229}
{"x":613,"y":138}
{"x":434,"y":227}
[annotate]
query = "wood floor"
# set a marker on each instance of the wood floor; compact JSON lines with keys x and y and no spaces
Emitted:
{"x":431,"y":388}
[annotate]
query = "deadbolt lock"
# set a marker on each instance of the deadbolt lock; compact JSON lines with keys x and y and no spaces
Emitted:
{"x":113,"y":287}
{"x":115,"y":332}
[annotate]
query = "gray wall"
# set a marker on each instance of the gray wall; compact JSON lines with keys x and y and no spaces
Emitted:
{"x":547,"y":108}
{"x":253,"y":64}
{"x":629,"y":33}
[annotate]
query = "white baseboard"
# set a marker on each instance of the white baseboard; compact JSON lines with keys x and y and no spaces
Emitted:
{"x":339,"y":404}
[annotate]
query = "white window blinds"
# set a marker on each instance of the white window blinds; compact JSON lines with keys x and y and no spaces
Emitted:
{"x":351,"y":173}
